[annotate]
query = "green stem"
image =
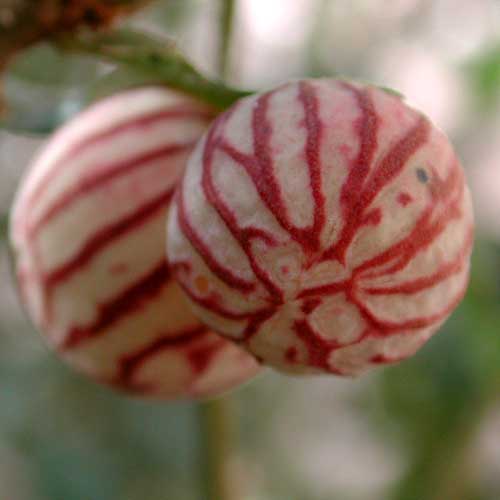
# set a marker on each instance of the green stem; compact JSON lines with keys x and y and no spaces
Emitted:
{"x":226,"y":16}
{"x":217,"y":436}
{"x":157,"y":60}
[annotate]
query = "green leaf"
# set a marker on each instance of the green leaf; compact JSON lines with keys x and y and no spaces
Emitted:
{"x":119,"y":79}
{"x":156,"y":59}
{"x":44,"y":65}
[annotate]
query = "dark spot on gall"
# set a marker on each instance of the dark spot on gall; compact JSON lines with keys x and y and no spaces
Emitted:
{"x":422,"y":176}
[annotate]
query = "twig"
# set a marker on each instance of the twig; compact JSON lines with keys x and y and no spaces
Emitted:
{"x":218,"y":421}
{"x":226,"y":16}
{"x":217,"y":436}
{"x":4,"y":223}
{"x":24,"y":22}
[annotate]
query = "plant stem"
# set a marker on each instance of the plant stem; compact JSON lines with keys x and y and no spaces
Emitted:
{"x":217,"y":436}
{"x":4,"y":222}
{"x":217,"y":419}
{"x":226,"y":16}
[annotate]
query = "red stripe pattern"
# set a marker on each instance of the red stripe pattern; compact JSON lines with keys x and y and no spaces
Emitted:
{"x":326,"y":225}
{"x":88,"y":229}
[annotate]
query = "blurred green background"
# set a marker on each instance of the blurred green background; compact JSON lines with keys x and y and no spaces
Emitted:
{"x":428,"y":429}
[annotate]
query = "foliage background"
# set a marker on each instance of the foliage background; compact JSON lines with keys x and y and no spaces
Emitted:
{"x":428,"y":429}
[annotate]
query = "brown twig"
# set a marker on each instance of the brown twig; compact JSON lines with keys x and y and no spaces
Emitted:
{"x":24,"y":22}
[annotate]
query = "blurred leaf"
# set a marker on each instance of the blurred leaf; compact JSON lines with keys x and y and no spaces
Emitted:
{"x":484,"y":74}
{"x":86,"y":442}
{"x":441,"y":470}
{"x":173,"y":14}
{"x":44,"y":65}
{"x":44,"y":87}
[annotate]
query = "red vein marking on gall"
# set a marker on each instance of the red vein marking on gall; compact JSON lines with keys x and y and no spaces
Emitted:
{"x":119,"y":307}
{"x":394,"y":269}
{"x":99,"y":240}
{"x":244,"y":236}
{"x":212,"y":303}
{"x":88,"y":230}
{"x":106,"y":175}
{"x":367,"y":130}
{"x":131,"y":363}
{"x":134,"y":124}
